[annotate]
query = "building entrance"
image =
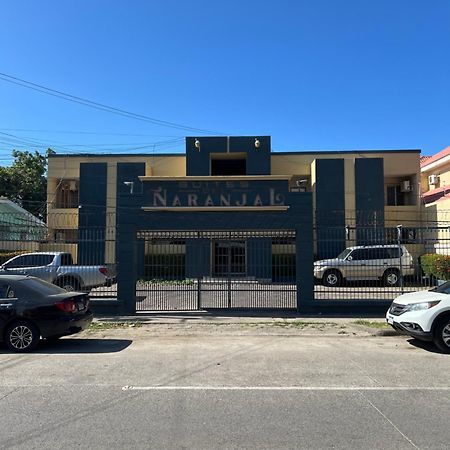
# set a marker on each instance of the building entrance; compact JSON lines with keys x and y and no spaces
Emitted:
{"x":192,"y":270}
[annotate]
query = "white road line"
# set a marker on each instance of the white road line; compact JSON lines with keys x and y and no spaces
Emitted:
{"x":389,"y":421}
{"x":284,"y":388}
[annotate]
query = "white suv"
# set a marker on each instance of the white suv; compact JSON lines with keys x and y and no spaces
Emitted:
{"x":370,"y":262}
{"x":424,"y":315}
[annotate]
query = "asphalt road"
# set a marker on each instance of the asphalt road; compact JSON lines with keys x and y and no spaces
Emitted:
{"x":227,"y":391}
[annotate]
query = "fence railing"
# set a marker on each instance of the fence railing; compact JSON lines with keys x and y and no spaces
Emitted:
{"x":357,"y":260}
{"x":378,"y":263}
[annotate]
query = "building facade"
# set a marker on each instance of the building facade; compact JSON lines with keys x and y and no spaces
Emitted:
{"x":226,"y":185}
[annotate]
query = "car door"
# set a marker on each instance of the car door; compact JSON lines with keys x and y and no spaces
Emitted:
{"x":379,"y":261}
{"x":356,"y":265}
{"x":8,"y":303}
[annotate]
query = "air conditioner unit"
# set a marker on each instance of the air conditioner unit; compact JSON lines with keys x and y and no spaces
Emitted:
{"x":405,"y":186}
{"x":432,"y":179}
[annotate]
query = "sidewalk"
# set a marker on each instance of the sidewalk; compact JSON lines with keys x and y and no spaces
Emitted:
{"x":198,"y":323}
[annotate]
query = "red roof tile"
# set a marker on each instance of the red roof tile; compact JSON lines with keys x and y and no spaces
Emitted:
{"x":425,"y":160}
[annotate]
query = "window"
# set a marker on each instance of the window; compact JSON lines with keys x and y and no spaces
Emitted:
{"x":67,"y":195}
{"x":394,"y":252}
{"x":359,"y":255}
{"x":394,"y":196}
{"x":66,"y":259}
{"x":228,"y":166}
{"x":30,"y":261}
{"x":66,"y":235}
{"x":40,"y":287}
{"x":6,"y":291}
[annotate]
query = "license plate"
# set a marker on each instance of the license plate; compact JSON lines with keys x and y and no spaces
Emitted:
{"x":390,"y":320}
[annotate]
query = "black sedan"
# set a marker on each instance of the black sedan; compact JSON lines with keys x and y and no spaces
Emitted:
{"x":31,"y":308}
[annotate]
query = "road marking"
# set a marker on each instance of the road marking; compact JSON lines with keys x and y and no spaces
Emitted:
{"x":385,"y":417}
{"x":284,"y":388}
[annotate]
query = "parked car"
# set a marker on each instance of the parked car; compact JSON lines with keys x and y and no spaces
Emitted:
{"x":424,"y":315}
{"x":31,"y":308}
{"x":58,"y":268}
{"x":371,"y":262}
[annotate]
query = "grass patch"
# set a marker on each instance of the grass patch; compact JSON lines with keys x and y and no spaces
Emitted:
{"x":102,"y":326}
{"x":370,"y":324}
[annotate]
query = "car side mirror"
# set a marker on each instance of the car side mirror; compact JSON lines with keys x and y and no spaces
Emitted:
{"x":349,"y":258}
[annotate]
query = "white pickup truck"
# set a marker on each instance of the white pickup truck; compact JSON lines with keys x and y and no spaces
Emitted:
{"x":58,"y":268}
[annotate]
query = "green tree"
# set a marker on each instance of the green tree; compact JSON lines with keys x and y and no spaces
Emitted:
{"x":25,"y":182}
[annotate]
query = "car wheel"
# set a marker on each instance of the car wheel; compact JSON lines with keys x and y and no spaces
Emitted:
{"x":441,"y":335}
{"x":22,"y":337}
{"x":332,"y":278}
{"x":391,"y":278}
{"x":69,"y":285}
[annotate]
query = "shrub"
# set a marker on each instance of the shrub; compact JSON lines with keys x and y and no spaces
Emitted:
{"x":437,"y":266}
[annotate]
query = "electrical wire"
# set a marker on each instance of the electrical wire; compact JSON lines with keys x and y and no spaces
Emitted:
{"x":99,"y":106}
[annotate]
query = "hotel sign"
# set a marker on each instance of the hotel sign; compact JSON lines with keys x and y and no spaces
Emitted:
{"x":213,"y":194}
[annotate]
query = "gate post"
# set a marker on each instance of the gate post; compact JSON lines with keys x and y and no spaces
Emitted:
{"x":126,"y":268}
{"x":304,"y":265}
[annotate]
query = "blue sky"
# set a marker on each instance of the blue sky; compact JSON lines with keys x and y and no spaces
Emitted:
{"x":315,"y":75}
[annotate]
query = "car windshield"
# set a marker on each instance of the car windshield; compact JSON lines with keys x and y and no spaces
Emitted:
{"x":344,"y":254}
{"x":44,"y":288}
{"x":443,"y":288}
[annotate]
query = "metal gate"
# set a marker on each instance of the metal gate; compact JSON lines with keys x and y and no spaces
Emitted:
{"x":216,"y":270}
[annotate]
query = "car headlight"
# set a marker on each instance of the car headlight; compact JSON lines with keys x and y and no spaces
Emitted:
{"x":422,"y":306}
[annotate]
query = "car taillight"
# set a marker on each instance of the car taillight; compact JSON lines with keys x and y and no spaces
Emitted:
{"x":69,"y":306}
{"x":103,"y":271}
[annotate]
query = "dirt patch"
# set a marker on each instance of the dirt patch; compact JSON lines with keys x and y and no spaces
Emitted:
{"x":277,"y":327}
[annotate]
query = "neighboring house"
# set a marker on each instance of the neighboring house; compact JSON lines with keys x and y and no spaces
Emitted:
{"x":435,"y":195}
{"x":18,"y":225}
{"x":435,"y":178}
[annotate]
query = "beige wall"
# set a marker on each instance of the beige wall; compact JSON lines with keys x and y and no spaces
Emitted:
{"x":402,"y":164}
{"x":408,"y":216}
{"x":68,"y":168}
{"x":66,"y":219}
{"x":441,"y":168}
{"x":19,"y":245}
{"x":397,"y":167}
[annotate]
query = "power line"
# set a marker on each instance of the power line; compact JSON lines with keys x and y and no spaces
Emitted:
{"x":96,"y":133}
{"x":99,"y":106}
{"x":12,"y":139}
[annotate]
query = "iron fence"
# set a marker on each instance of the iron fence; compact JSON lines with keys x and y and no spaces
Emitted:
{"x":378,"y":263}
{"x":190,"y":270}
{"x":217,"y":270}
{"x":61,"y":252}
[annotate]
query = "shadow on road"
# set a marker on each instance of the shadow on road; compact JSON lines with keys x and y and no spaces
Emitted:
{"x":424,"y":345}
{"x":78,"y":346}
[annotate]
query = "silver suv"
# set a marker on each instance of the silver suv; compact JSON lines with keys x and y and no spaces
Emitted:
{"x":371,"y":262}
